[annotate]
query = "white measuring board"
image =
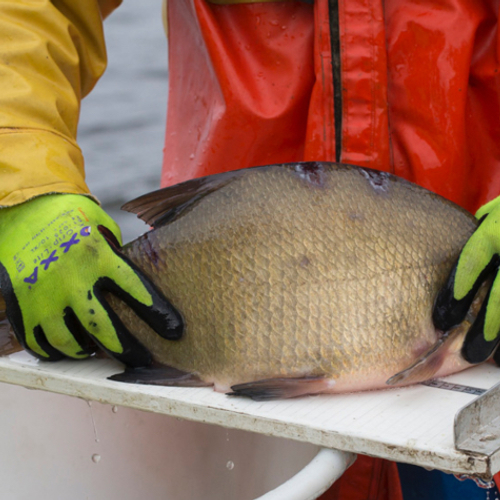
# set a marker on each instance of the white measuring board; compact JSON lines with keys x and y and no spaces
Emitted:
{"x":412,"y":424}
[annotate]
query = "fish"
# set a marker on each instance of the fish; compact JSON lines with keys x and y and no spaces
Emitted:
{"x":298,"y":279}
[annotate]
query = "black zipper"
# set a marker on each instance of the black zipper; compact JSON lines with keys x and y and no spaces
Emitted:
{"x":333,"y":10}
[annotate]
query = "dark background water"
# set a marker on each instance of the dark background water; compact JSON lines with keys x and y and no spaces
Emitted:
{"x":123,"y":119}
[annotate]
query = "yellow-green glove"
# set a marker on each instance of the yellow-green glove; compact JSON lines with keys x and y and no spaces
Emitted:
{"x":59,"y":254}
{"x":477,"y":262}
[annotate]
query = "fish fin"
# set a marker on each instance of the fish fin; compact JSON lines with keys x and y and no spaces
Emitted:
{"x":165,"y":205}
{"x":427,"y":365}
{"x":281,"y":388}
{"x":8,"y":340}
{"x":159,"y":375}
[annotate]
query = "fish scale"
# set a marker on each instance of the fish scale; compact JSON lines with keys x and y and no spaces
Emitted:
{"x":312,"y":270}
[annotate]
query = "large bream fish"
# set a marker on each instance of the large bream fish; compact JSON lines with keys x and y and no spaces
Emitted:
{"x":298,"y":279}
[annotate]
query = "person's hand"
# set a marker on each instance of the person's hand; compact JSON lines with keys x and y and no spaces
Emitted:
{"x":477,"y":262}
{"x":59,"y":255}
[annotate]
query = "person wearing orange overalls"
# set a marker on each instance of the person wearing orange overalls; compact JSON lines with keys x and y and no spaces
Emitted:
{"x":407,"y":87}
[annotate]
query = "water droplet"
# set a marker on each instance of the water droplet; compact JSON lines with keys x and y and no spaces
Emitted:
{"x":96,"y":458}
{"x":114,"y":409}
{"x":96,"y":438}
{"x":230,"y":465}
{"x":191,"y":156}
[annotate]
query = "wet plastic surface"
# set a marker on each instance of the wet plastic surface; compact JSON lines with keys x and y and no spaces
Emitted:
{"x":412,"y":425}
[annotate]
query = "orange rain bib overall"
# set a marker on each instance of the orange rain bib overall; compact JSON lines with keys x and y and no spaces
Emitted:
{"x":408,"y":87}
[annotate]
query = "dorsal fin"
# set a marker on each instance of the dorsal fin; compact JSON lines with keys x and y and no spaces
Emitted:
{"x":164,"y":205}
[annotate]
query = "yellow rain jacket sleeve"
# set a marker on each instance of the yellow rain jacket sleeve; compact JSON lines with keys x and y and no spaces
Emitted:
{"x":51,"y":55}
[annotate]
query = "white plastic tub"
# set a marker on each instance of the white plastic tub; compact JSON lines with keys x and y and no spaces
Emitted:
{"x":60,"y":447}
